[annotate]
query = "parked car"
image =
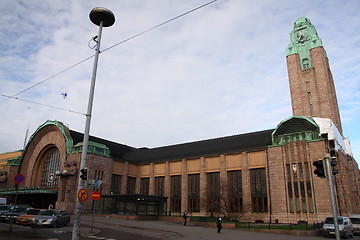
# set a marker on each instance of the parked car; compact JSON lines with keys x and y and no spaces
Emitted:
{"x":51,"y":218}
{"x":4,"y":208}
{"x":13,"y":213}
{"x":28,"y":216}
{"x":355,"y":219}
{"x":345,"y":227}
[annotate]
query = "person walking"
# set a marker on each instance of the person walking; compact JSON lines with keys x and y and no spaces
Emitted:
{"x":219,"y":225}
{"x":185,"y":217}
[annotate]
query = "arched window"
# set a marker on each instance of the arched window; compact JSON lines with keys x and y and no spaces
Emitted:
{"x":51,"y":164}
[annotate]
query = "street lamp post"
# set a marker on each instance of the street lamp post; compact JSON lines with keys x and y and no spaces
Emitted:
{"x":103,"y":18}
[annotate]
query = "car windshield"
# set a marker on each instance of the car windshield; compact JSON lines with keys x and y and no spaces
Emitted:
{"x":19,"y":210}
{"x":33,"y":211}
{"x":355,"y":220}
{"x":331,"y":221}
{"x":4,"y":208}
{"x":48,"y":212}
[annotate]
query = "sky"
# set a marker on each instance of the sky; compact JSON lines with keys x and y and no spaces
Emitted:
{"x":217,"y":71}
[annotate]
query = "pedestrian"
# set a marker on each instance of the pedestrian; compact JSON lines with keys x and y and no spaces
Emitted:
{"x":218,"y":224}
{"x":185,"y":217}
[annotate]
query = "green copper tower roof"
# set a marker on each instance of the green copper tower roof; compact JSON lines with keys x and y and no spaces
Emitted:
{"x":303,"y":38}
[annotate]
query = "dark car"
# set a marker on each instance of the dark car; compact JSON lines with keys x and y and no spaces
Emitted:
{"x":13,"y":213}
{"x":51,"y":218}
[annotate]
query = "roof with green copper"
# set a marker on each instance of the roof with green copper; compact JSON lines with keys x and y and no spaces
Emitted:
{"x":296,"y":128}
{"x":64,"y":130}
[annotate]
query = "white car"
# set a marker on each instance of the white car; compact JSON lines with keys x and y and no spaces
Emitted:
{"x":355,"y":219}
{"x":345,"y":227}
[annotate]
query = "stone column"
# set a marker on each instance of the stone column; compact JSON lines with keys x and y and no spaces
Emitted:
{"x":124,"y":178}
{"x":184,"y":186}
{"x":167,"y":184}
{"x":223,"y":184}
{"x":246,"y":184}
{"x":203,"y":186}
{"x":152,"y":180}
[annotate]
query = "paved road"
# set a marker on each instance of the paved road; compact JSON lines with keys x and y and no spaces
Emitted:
{"x":109,"y":228}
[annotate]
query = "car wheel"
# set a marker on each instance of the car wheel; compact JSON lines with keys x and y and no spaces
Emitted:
{"x":55,"y":224}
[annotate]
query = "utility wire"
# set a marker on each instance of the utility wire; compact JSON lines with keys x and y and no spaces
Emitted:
{"x":84,"y":60}
{"x":46,"y":105}
{"x":159,"y":25}
{"x":53,"y":76}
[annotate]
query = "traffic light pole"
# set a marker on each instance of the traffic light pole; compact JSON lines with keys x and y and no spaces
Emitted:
{"x":332,"y":196}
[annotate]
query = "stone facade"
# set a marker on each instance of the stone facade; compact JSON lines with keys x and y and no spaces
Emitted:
{"x":266,"y":175}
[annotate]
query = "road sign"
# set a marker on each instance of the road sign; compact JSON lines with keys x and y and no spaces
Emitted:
{"x":19,"y":178}
{"x":97,"y":183}
{"x":82,"y":195}
{"x":95,"y":195}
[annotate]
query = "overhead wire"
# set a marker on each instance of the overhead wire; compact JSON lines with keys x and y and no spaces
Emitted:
{"x":108,"y":48}
{"x":42,"y":104}
{"x":53,"y":76}
{"x":159,"y":25}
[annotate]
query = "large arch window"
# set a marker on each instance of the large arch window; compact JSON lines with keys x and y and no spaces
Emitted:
{"x":51,"y":164}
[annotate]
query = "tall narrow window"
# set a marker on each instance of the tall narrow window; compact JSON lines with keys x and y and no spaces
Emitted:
{"x":194,"y":192}
{"x":258,"y":190}
{"x":130,"y":188}
{"x":144,"y":186}
{"x":175,"y":194}
{"x":213,"y":192}
{"x":299,"y":188}
{"x":159,"y":186}
{"x":51,"y":165}
{"x":235,"y":191}
{"x":116,"y":184}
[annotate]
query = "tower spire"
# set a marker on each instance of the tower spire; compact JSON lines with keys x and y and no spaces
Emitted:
{"x":312,"y":86}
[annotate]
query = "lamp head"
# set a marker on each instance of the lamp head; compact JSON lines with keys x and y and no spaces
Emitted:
{"x":100,"y":14}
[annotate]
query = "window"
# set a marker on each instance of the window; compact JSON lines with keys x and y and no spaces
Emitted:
{"x":258,"y":190}
{"x":194,"y":192}
{"x":175,"y":194}
{"x":116,"y":184}
{"x":235,"y":191}
{"x":144,"y":186}
{"x":213,"y":192}
{"x":130,"y":188}
{"x":299,"y":188}
{"x":51,"y":165}
{"x":159,"y":186}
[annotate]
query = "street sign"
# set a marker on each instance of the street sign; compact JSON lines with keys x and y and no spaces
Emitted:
{"x":95,"y":195}
{"x":19,"y":178}
{"x":97,"y":183}
{"x":82,"y":195}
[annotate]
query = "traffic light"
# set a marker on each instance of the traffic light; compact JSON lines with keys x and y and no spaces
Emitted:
{"x":333,"y":163}
{"x":320,"y":169}
{"x":83,"y":174}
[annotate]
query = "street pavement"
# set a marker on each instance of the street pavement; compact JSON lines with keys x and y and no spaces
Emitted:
{"x":175,"y":230}
{"x":111,"y":228}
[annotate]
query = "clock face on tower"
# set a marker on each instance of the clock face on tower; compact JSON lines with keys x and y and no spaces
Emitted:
{"x":301,"y":35}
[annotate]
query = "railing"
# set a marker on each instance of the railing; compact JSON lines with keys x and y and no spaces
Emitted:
{"x":285,"y":226}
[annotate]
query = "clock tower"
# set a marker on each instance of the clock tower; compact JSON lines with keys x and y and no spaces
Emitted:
{"x":311,"y":83}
